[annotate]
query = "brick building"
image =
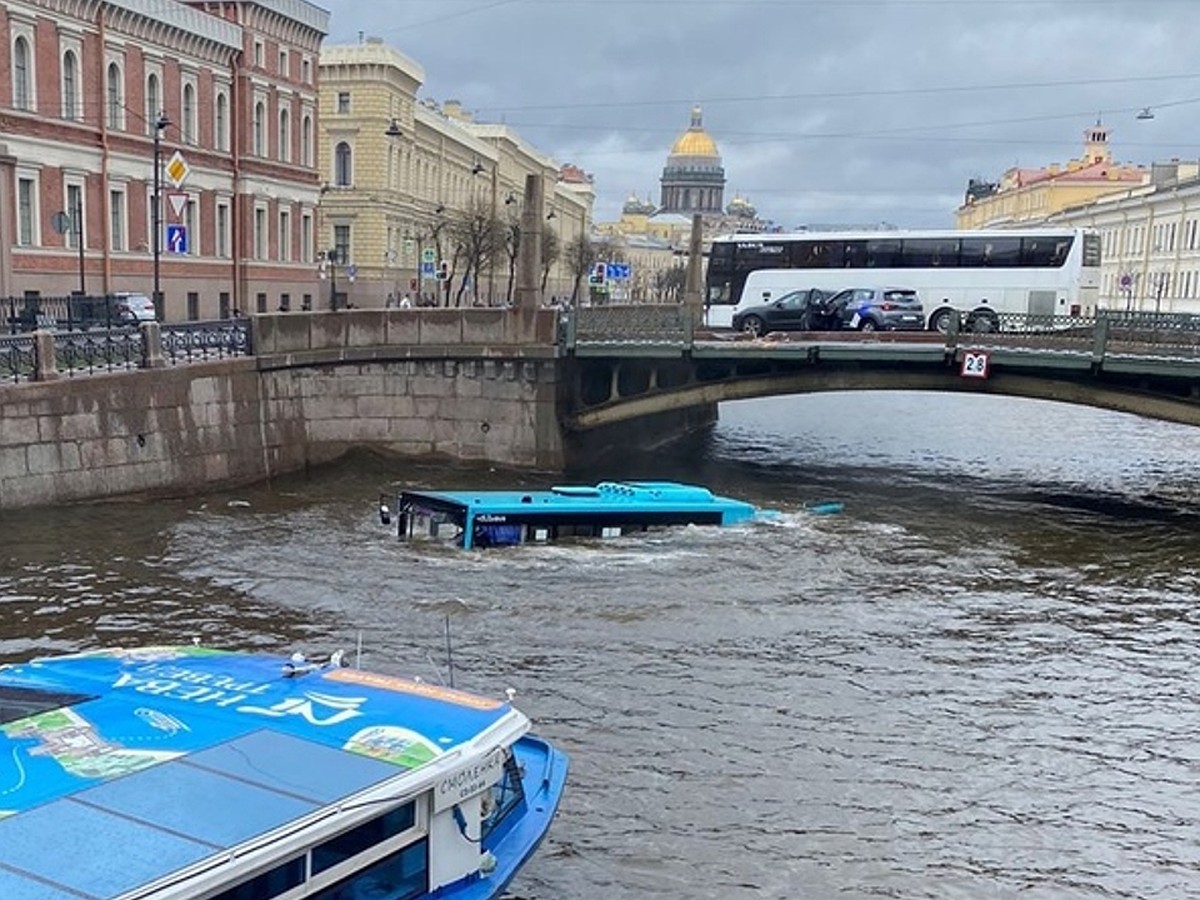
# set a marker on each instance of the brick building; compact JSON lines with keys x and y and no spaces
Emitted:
{"x":83,"y":84}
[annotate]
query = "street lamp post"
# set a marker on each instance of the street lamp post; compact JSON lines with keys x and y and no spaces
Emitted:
{"x":156,"y":212}
{"x":332,"y":256}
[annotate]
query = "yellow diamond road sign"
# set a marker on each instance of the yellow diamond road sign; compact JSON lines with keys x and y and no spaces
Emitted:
{"x":178,"y":170}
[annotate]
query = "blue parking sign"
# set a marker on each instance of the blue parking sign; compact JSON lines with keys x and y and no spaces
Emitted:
{"x":177,"y":239}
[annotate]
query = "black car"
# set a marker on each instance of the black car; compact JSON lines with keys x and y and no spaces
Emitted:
{"x":806,"y":310}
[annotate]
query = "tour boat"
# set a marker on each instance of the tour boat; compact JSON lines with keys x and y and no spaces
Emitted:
{"x":608,"y":509}
{"x":188,"y":772}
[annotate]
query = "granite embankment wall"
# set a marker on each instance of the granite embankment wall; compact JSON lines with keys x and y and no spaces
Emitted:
{"x":470,"y":385}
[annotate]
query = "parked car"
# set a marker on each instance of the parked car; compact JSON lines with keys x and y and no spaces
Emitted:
{"x":110,"y":311}
{"x":806,"y":310}
{"x":880,"y":309}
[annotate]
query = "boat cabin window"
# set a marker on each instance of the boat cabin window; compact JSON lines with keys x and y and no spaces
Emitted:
{"x":363,"y":837}
{"x":427,"y":523}
{"x":506,"y":795}
{"x":20,"y":703}
{"x":271,"y":883}
{"x":401,"y":876}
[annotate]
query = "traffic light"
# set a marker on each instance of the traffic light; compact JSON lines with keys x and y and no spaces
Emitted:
{"x":443,"y":272}
{"x":599,"y":270}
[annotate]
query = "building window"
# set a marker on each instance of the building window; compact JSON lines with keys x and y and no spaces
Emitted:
{"x":189,"y":114}
{"x":153,"y":102}
{"x":285,"y":302}
{"x":341,"y":244}
{"x":306,"y":70}
{"x":116,"y":224}
{"x":193,"y":306}
{"x":22,"y":74}
{"x":342,"y":165}
{"x":306,"y":141}
{"x":283,"y":64}
{"x":26,"y":211}
{"x":192,"y":227}
{"x":260,"y":234}
{"x":221,"y":122}
{"x":222,"y":230}
{"x":258,"y":54}
{"x":306,"y":238}
{"x":285,"y":136}
{"x":70,"y":86}
{"x":223,"y":307}
{"x":285,"y":236}
{"x":343,"y":102}
{"x":260,"y":114}
{"x":260,"y":302}
{"x":116,"y":97}
{"x":306,"y":302}
{"x":75,"y":211}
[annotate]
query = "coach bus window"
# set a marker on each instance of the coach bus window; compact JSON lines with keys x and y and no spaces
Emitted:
{"x":991,"y":252}
{"x":855,"y":255}
{"x":883,"y":254}
{"x":1044,"y":252}
{"x":930,"y":253}
{"x":818,"y":254}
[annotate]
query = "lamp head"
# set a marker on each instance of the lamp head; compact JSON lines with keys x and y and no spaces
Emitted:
{"x":393,"y":130}
{"x":477,"y":168}
{"x":551,"y":215}
{"x":440,"y":209}
{"x":162,"y":121}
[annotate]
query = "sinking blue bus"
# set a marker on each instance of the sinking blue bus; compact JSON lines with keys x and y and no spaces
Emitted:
{"x":608,"y":509}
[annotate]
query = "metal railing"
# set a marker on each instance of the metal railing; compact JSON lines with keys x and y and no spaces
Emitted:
{"x":89,"y":352}
{"x":77,"y":312}
{"x":18,"y":358}
{"x":200,"y":341}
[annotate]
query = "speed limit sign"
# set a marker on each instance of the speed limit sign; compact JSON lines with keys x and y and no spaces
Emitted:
{"x":974,"y":365}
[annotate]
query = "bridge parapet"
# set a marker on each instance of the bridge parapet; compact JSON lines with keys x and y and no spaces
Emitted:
{"x":657,"y":324}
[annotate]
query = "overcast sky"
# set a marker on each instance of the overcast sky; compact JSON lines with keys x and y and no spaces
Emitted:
{"x":849,"y":112}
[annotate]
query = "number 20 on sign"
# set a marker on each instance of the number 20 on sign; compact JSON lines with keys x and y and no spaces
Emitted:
{"x":974,"y":365}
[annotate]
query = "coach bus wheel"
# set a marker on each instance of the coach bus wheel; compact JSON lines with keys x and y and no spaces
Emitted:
{"x":983,"y":321}
{"x":753,"y":325}
{"x":940,"y":322}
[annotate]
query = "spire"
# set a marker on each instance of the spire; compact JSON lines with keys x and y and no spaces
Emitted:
{"x":697,"y":117}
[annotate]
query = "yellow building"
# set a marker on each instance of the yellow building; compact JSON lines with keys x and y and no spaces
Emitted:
{"x":1031,"y":195}
{"x":397,"y":171}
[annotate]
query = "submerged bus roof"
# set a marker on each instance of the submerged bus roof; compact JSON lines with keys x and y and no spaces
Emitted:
{"x":605,"y":495}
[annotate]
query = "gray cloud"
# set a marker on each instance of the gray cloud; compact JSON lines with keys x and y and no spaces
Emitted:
{"x":825,"y":111}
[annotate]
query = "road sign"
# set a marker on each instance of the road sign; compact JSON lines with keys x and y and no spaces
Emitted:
{"x":351,"y":271}
{"x":177,"y":200}
{"x":1126,"y":281}
{"x":427,"y":267}
{"x":429,"y":255}
{"x":177,"y":170}
{"x":177,"y":239}
{"x":974,"y":365}
{"x":618,"y":271}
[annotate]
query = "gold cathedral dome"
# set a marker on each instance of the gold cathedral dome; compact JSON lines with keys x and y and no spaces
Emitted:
{"x":695,"y":141}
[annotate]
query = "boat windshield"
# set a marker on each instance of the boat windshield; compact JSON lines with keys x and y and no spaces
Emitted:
{"x":430,"y":523}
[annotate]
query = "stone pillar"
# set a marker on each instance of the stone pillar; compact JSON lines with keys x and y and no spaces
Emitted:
{"x":47,"y":365}
{"x":152,"y":355}
{"x":529,"y":258}
{"x":693,"y":292}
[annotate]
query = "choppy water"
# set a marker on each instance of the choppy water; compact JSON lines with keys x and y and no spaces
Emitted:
{"x":978,"y":681}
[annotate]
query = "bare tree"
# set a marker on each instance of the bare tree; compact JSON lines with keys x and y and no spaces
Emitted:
{"x":669,"y":283}
{"x":580,"y":256}
{"x":478,"y":238}
{"x":511,"y":251}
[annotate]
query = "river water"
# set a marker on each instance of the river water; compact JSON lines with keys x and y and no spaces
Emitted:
{"x":977,"y":681}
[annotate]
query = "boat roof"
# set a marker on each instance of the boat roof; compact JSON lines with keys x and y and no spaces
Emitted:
{"x":135,"y":759}
{"x":609,"y":495}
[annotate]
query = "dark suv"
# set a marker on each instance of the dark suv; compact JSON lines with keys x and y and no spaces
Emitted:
{"x":807,"y":310}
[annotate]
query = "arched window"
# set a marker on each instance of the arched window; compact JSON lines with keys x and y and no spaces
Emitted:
{"x":189,"y":114}
{"x":343,"y":170}
{"x":260,"y":112}
{"x":285,"y":136}
{"x":221,"y":123}
{"x":70,"y":86}
{"x":306,"y":155}
{"x":115,"y":96}
{"x":153,"y":102}
{"x":22,"y":81}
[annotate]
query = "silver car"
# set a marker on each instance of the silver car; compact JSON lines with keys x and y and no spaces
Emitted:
{"x":880,"y":309}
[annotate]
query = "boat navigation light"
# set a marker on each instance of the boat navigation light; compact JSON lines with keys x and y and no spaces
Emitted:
{"x":510,"y":693}
{"x":385,"y":514}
